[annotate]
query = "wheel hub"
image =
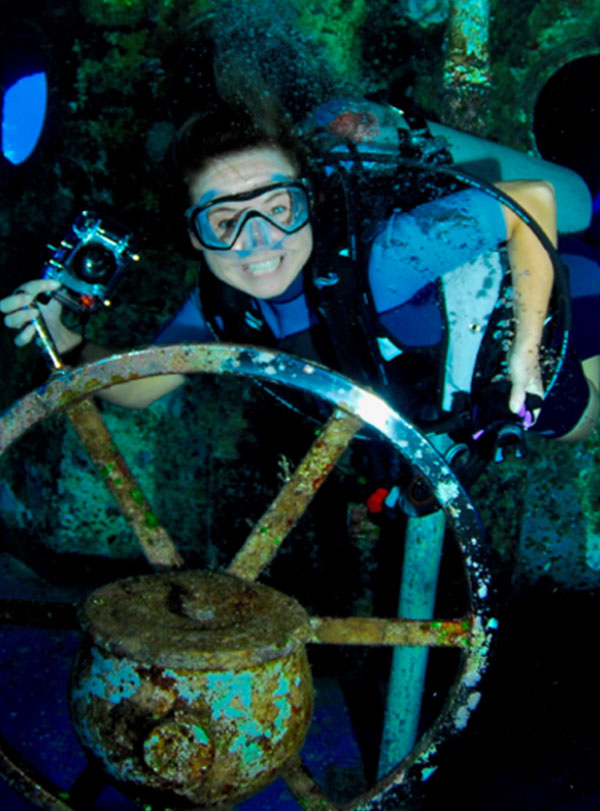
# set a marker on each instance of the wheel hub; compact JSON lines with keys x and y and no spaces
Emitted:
{"x":192,"y":684}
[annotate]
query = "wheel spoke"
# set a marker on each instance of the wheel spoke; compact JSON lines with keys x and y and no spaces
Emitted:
{"x":24,"y":779}
{"x":156,"y":544}
{"x":305,"y":789}
{"x":471,"y":634}
{"x":294,"y":497}
{"x":394,"y":631}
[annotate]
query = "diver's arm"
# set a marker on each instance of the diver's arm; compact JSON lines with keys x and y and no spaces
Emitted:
{"x":135,"y":393}
{"x":533,"y":277}
{"x":23,"y":306}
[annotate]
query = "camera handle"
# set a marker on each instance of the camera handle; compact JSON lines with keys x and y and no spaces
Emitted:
{"x":45,"y":342}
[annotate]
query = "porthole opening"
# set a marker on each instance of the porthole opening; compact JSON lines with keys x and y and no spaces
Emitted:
{"x":567,"y":119}
{"x":24,"y":102}
{"x":566,"y":125}
{"x":23,"y":115}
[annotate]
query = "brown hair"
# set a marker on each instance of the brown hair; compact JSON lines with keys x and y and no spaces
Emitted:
{"x":220,"y":130}
{"x":224,"y":129}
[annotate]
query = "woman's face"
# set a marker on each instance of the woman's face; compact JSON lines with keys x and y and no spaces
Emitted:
{"x":264,"y":260}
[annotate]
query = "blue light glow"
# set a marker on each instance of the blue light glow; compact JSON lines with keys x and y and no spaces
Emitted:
{"x":23,"y":115}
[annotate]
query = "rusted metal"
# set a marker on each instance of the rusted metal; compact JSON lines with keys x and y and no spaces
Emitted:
{"x":194,"y":686}
{"x":27,"y":781}
{"x":467,"y":68}
{"x":393,"y":631}
{"x":156,"y":544}
{"x":304,"y":788}
{"x":158,"y":707}
{"x":294,"y":497}
{"x":73,"y":385}
{"x":91,"y":429}
{"x":395,"y":790}
{"x":272,"y":366}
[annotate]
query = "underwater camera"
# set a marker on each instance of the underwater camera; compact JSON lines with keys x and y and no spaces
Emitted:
{"x":89,"y":260}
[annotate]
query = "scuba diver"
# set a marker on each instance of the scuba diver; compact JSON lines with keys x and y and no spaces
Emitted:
{"x":281,"y":264}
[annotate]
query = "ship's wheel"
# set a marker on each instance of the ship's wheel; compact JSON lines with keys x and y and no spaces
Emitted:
{"x":186,"y":746}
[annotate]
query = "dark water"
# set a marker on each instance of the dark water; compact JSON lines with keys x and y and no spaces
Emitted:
{"x":533,"y":743}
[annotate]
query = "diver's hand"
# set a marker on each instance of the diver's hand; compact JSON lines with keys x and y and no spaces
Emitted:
{"x":525,"y":378}
{"x":23,"y":306}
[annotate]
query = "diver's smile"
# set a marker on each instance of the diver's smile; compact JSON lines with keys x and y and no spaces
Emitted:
{"x":263,"y":267}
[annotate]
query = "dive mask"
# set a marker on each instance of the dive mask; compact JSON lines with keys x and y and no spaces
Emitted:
{"x":218,"y":223}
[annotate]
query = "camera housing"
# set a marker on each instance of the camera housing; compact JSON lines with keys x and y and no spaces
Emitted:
{"x":94,"y":253}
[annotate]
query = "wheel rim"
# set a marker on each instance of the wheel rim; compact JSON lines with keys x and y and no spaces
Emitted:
{"x":353,"y":407}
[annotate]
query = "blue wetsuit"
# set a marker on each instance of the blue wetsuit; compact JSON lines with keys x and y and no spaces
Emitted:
{"x":411,"y":251}
{"x":424,"y":243}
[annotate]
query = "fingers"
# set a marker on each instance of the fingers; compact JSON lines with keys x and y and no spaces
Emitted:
{"x":19,"y":318}
{"x":22,"y":320}
{"x":527,"y":389}
{"x":25,"y":336}
{"x":26,"y":293}
{"x":516,"y":400}
{"x":521,"y":392}
{"x":19,"y":310}
{"x":526,"y":403}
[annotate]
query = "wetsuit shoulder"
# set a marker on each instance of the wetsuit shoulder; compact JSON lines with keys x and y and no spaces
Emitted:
{"x":187,"y":325}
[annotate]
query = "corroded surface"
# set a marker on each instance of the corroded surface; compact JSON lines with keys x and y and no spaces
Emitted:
{"x":263,"y":364}
{"x":163,"y":712}
{"x":195,"y":686}
{"x":467,"y":71}
{"x":375,"y":631}
{"x":194,"y":620}
{"x":27,"y":782}
{"x":293,"y":499}
{"x":304,"y":788}
{"x":97,"y":440}
{"x":275,"y":367}
{"x":76,"y":384}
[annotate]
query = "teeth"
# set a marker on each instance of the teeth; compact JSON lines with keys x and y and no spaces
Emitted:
{"x":263,"y":267}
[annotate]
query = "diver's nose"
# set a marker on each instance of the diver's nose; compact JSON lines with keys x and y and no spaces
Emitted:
{"x":256,"y":234}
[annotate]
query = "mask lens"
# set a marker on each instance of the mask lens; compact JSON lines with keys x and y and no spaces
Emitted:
{"x":219,"y":224}
{"x":223,"y":224}
{"x":279,"y":208}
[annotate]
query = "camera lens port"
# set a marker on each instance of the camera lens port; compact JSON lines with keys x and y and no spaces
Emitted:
{"x":93,"y":263}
